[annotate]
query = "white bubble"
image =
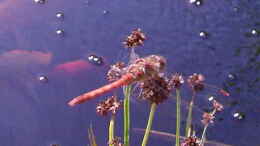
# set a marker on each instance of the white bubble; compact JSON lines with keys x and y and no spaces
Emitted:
{"x":238,"y":116}
{"x":59,"y":15}
{"x":203,"y":34}
{"x":105,"y":12}
{"x":40,"y":1}
{"x":254,"y":32}
{"x":60,"y":32}
{"x":211,"y":98}
{"x":43,"y":78}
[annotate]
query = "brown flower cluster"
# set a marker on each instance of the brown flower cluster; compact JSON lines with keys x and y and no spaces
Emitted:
{"x":176,"y":81}
{"x":136,"y":38}
{"x":111,"y":104}
{"x":155,"y":89}
{"x":191,"y":141}
{"x":196,"y":81}
{"x":116,"y":142}
{"x":115,"y":71}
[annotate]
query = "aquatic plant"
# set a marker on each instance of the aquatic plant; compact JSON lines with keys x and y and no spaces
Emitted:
{"x":149,"y":74}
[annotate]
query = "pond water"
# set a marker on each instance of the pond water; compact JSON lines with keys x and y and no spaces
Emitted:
{"x":54,"y":50}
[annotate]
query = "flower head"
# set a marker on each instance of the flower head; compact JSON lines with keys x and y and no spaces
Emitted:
{"x":136,"y":38}
{"x":115,"y":142}
{"x":155,"y":89}
{"x":176,"y":81}
{"x":191,"y":141}
{"x":115,"y":71}
{"x":196,"y":81}
{"x":111,"y":104}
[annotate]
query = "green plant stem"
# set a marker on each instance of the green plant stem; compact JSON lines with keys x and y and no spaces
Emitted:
{"x":149,"y":124}
{"x":178,"y":117}
{"x":188,"y":129}
{"x":91,"y":136}
{"x":203,"y":135}
{"x":127,"y":93}
{"x":111,"y":129}
{"x":189,"y":120}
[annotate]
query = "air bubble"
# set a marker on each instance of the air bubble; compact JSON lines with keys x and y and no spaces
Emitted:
{"x":203,"y":34}
{"x":40,"y":1}
{"x":60,"y":32}
{"x":87,"y":3}
{"x":238,"y":116}
{"x":95,"y":59}
{"x":211,"y":98}
{"x":43,"y":79}
{"x":105,"y":12}
{"x":254,"y":32}
{"x":231,"y":76}
{"x":235,"y":9}
{"x":196,"y":2}
{"x":59,"y":15}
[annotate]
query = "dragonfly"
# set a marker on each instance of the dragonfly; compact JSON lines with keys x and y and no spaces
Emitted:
{"x":139,"y":70}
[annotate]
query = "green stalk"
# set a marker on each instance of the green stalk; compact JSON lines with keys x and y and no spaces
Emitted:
{"x":178,"y":117}
{"x":91,"y":136}
{"x":127,"y":93}
{"x":111,"y":129}
{"x":149,"y":124}
{"x":188,"y":129}
{"x":203,"y":135}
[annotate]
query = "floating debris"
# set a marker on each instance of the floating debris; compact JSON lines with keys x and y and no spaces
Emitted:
{"x":95,"y":59}
{"x":60,"y":15}
{"x":40,"y":1}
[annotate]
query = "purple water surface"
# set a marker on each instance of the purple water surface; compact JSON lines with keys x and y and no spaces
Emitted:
{"x":42,"y":68}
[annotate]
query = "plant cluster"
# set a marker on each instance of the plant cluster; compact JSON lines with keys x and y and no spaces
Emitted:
{"x":156,"y":87}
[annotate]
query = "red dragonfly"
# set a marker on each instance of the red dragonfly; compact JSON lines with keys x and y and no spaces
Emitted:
{"x":141,"y":69}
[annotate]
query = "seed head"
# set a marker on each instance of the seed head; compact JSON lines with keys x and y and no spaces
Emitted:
{"x":115,"y":142}
{"x":191,"y":141}
{"x":115,"y":71}
{"x":196,"y":81}
{"x":176,"y":81}
{"x":111,"y":104}
{"x":155,"y":90}
{"x":136,"y":38}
